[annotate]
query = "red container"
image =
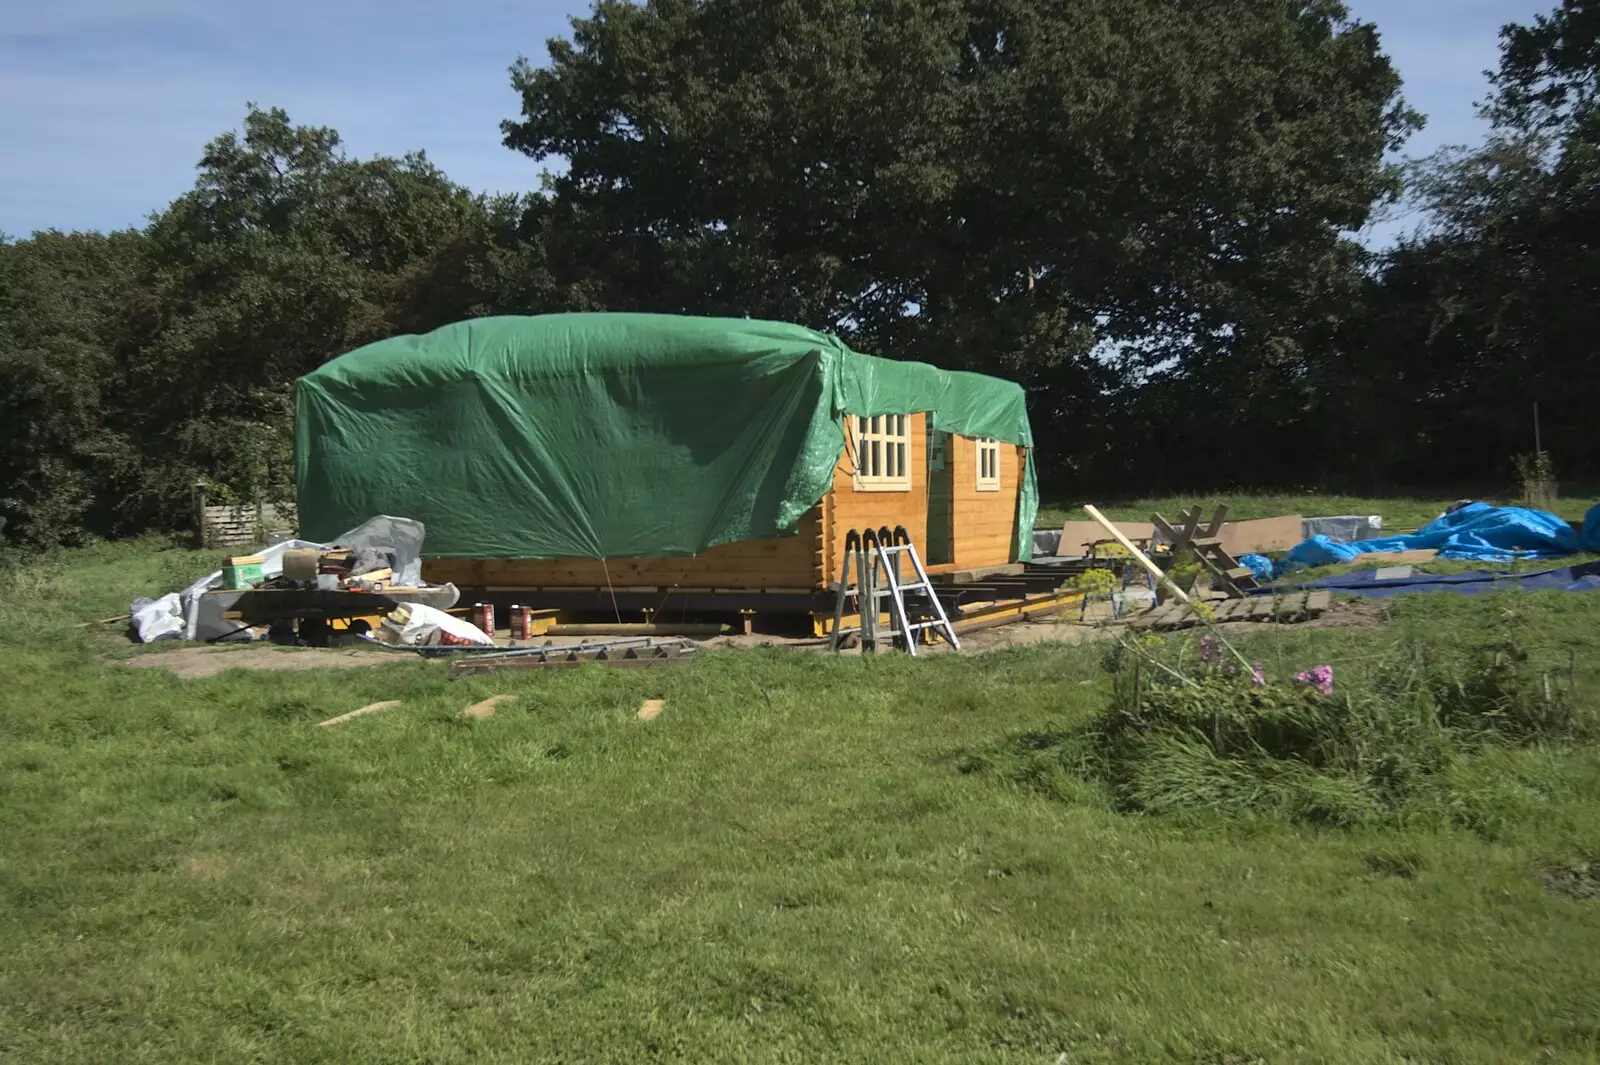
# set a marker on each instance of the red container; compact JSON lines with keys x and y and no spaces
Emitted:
{"x":483,"y":617}
{"x":521,"y":622}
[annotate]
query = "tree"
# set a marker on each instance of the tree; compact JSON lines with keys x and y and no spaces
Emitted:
{"x":61,"y":328}
{"x":1490,"y":307}
{"x":1013,"y":185}
{"x":136,"y":363}
{"x":286,"y":254}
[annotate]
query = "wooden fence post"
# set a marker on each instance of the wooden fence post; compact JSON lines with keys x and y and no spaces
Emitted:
{"x":198,"y":495}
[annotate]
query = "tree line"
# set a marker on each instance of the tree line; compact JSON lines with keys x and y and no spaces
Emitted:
{"x":1145,"y":211}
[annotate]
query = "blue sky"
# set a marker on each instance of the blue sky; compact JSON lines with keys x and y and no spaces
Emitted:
{"x":105,"y":105}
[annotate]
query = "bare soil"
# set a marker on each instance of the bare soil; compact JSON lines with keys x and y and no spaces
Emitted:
{"x":192,"y":663}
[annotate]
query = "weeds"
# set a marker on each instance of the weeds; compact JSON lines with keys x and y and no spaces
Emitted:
{"x":1536,"y":473}
{"x":1187,"y":732}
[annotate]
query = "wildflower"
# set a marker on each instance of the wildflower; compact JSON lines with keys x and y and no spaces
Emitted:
{"x":1258,"y":677}
{"x":1208,"y":649}
{"x":1320,"y":678}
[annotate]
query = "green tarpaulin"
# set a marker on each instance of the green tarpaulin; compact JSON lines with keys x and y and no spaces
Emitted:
{"x":609,"y":435}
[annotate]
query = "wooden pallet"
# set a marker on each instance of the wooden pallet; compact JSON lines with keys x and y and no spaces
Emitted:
{"x":1281,"y":609}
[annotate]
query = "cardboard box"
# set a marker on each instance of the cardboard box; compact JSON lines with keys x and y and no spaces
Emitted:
{"x":1238,"y":537}
{"x":1262,"y":535}
{"x":1076,"y":536}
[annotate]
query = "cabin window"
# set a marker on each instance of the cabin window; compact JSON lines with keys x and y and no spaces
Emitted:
{"x":988,"y":464}
{"x":883,"y":453}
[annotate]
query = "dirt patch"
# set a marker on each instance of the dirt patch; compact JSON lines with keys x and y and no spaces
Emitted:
{"x":192,"y":663}
{"x":1578,"y":881}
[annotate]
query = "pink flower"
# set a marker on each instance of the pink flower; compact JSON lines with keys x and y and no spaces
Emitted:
{"x":1258,"y":677}
{"x":1208,"y":649}
{"x":1320,"y":678}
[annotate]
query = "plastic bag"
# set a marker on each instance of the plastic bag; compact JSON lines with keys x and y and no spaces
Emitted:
{"x":157,"y":619}
{"x":416,"y":625}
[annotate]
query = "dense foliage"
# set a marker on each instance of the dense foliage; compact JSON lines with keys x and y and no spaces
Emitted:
{"x":1142,"y":210}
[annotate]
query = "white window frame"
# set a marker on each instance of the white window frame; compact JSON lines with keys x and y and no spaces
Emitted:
{"x":986,"y":452}
{"x":882,"y":445}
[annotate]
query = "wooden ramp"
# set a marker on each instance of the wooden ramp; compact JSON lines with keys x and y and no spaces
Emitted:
{"x":1279,"y":609}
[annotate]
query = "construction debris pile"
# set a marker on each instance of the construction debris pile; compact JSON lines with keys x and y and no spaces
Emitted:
{"x":364,"y":571}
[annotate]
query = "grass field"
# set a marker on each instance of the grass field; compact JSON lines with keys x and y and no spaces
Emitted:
{"x":1399,"y":513}
{"x":803,"y":859}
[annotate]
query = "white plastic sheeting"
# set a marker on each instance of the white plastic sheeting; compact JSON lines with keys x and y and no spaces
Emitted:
{"x":157,"y":619}
{"x":1343,"y":528}
{"x":417,"y":625}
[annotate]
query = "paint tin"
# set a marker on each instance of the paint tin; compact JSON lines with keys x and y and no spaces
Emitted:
{"x":483,"y":617}
{"x":521,"y":622}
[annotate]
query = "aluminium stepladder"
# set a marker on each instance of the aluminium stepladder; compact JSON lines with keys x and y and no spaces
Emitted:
{"x":877,"y":556}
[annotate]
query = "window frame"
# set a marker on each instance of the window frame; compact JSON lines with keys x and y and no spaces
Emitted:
{"x":986,"y":463}
{"x":881,"y":443}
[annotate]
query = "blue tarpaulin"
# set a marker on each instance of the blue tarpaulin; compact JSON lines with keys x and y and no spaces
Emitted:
{"x":1368,"y":582}
{"x":1260,"y":565}
{"x":1476,"y":531}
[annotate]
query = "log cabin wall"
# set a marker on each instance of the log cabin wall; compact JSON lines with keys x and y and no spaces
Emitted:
{"x":983,"y":531}
{"x":848,"y":507}
{"x":985,"y":521}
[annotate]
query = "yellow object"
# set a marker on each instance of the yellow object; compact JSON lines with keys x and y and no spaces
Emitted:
{"x":376,"y":578}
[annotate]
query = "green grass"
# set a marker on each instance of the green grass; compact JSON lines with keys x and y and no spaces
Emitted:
{"x":1400,"y":513}
{"x":796,"y":862}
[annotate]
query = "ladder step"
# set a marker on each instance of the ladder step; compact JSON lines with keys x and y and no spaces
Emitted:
{"x":1206,"y":542}
{"x":1240,"y":573}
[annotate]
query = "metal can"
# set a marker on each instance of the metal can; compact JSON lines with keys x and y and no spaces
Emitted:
{"x":483,"y":617}
{"x":521,"y":622}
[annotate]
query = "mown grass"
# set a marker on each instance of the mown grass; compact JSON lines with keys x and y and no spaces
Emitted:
{"x":796,"y":862}
{"x":1399,"y":513}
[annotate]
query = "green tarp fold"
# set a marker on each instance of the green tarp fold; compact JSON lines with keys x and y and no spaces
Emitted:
{"x":609,"y":435}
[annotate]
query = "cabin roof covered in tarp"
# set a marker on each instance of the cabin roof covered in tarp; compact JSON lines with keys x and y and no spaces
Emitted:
{"x":609,"y":435}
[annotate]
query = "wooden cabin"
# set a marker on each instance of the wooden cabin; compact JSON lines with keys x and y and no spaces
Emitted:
{"x":956,"y":496}
{"x":641,"y":462}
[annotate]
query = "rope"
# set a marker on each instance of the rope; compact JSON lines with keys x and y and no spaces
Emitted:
{"x":614,"y":608}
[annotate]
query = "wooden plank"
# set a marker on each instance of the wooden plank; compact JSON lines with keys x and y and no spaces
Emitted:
{"x":1262,"y":534}
{"x":1218,"y":517}
{"x":968,"y":576}
{"x":370,"y":708}
{"x":1161,"y":615}
{"x":698,"y":631}
{"x":1318,"y":601}
{"x":1229,"y":609}
{"x":1076,"y":536}
{"x":1164,"y":529}
{"x":1181,"y":617}
{"x":1262,"y":607}
{"x":1397,"y":557}
{"x":1191,"y":523}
